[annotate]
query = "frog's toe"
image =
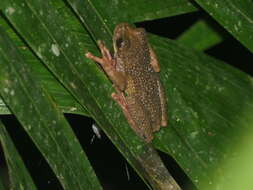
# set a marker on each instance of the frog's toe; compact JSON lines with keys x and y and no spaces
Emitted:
{"x":164,"y":123}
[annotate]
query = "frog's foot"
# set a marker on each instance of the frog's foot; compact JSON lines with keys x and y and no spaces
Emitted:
{"x":107,"y":61}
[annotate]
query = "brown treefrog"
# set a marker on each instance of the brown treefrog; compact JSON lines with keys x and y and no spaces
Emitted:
{"x":134,"y":72}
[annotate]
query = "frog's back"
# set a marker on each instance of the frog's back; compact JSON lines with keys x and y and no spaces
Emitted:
{"x":145,"y":83}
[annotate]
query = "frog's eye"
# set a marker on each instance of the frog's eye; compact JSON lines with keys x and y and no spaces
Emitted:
{"x":119,"y":42}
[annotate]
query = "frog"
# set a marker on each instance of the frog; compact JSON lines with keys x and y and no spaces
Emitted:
{"x":134,"y":71}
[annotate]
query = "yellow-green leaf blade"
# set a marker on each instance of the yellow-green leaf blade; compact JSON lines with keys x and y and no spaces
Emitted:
{"x":200,"y":36}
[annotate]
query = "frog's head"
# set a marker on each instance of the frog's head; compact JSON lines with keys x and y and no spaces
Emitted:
{"x":126,"y":37}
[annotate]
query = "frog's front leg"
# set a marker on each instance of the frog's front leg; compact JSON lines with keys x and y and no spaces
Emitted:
{"x":109,"y":66}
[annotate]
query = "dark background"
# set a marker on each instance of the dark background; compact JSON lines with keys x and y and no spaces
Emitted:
{"x":111,"y":168}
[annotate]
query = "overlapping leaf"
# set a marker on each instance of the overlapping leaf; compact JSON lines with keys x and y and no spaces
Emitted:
{"x":62,"y":97}
{"x":44,"y":123}
{"x":235,"y":16}
{"x":200,"y":36}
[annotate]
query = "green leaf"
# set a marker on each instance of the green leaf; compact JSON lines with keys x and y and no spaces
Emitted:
{"x":63,"y":52}
{"x":210,"y":103}
{"x":235,"y":16}
{"x":44,"y":123}
{"x":3,"y":108}
{"x":199,"y":89}
{"x":94,"y":13}
{"x":62,"y":97}
{"x":238,"y":170}
{"x":18,"y":174}
{"x":1,"y":183}
{"x":134,"y":10}
{"x":200,"y":36}
{"x":210,"y":106}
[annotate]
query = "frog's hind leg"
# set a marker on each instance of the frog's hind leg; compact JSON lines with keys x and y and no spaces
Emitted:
{"x":134,"y":115}
{"x":121,"y":100}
